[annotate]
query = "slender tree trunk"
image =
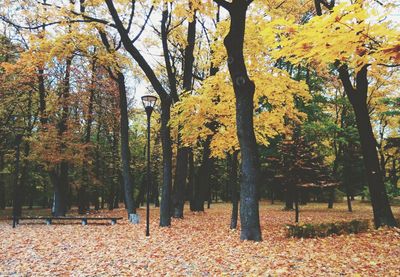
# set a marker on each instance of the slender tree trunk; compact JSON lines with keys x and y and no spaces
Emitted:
{"x":191,"y":176}
{"x":83,"y":198}
{"x":25,"y":187}
{"x":289,"y":195}
{"x":244,"y":91}
{"x":2,"y":184}
{"x":331,"y":198}
{"x":42,"y":97}
{"x":166,"y":101}
{"x":296,"y":205}
{"x":358,"y":98}
{"x":203,"y":180}
{"x":233,"y":167}
{"x":125,"y":151}
{"x":165,"y":216}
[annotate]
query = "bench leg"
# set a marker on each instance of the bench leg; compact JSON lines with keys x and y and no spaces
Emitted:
{"x":84,"y":222}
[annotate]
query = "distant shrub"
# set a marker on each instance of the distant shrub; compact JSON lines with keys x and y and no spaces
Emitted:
{"x":326,"y":229}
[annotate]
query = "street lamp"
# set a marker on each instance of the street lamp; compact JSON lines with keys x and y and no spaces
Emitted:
{"x":18,"y":132}
{"x":149,"y":101}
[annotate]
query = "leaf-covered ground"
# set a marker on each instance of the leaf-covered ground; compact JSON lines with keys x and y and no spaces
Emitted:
{"x":199,"y":245}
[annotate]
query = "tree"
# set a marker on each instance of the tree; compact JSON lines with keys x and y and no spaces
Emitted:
{"x":353,"y":45}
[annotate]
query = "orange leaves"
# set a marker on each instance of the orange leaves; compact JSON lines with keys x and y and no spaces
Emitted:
{"x":393,"y":52}
{"x":200,"y":244}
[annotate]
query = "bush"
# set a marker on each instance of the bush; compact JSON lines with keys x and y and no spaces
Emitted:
{"x":326,"y":229}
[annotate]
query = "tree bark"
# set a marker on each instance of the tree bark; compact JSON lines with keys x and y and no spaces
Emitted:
{"x":244,"y":91}
{"x":165,"y":216}
{"x":125,"y":150}
{"x":191,"y":180}
{"x":180,"y":181}
{"x":203,"y":180}
{"x":358,"y":98}
{"x":182,"y":152}
{"x":233,"y":167}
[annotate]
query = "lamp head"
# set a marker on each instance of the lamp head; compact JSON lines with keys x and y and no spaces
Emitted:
{"x":149,"y":102}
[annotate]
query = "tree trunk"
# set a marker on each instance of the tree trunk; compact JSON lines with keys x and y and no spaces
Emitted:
{"x":180,"y":181}
{"x":182,"y":155}
{"x":296,"y":205}
{"x":59,"y":175}
{"x":191,"y":176}
{"x":233,"y":167}
{"x":165,"y":216}
{"x":358,"y":98}
{"x":83,"y":198}
{"x":289,"y":195}
{"x":203,"y":180}
{"x":331,"y":198}
{"x":244,"y":91}
{"x":125,"y":151}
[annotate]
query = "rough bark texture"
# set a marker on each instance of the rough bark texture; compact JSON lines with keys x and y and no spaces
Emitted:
{"x":358,"y":98}
{"x":125,"y":151}
{"x":165,"y":217}
{"x":180,"y":181}
{"x":191,"y":177}
{"x":244,"y":91}
{"x":233,"y":167}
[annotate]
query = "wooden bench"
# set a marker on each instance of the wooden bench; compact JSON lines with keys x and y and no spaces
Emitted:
{"x":84,"y":220}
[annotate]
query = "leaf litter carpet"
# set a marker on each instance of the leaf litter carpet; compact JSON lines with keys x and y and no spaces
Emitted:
{"x":199,"y":245}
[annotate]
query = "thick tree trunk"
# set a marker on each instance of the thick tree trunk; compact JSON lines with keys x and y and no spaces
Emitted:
{"x":244,"y":91}
{"x":233,"y":167}
{"x":165,"y":216}
{"x":180,"y":181}
{"x":358,"y":98}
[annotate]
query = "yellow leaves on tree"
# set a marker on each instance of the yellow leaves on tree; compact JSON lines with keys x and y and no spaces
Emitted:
{"x":214,"y":105}
{"x":355,"y":34}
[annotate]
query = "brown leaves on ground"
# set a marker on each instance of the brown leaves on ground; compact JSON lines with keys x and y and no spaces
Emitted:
{"x":199,"y":245}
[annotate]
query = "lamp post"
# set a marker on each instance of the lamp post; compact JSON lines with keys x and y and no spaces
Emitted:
{"x":16,"y":197}
{"x":149,"y":101}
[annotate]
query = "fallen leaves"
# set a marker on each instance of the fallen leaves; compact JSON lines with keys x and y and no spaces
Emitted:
{"x":201,"y":244}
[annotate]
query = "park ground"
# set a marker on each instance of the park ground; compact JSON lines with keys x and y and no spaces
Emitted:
{"x":200,"y":245}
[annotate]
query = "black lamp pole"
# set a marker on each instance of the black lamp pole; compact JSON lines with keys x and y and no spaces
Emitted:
{"x":148,"y":103}
{"x":16,"y":196}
